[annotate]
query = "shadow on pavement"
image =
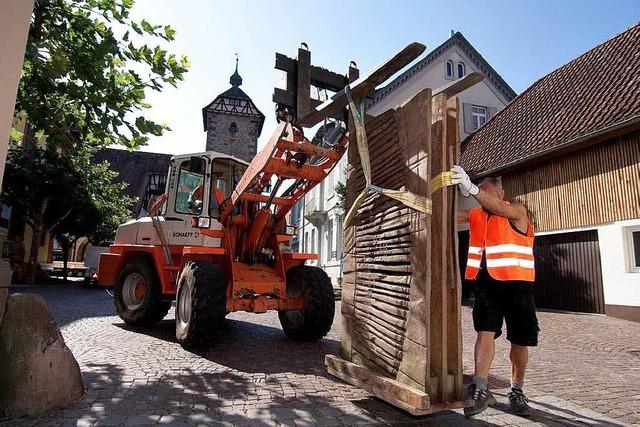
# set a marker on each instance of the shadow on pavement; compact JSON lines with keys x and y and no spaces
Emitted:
{"x":188,"y":398}
{"x":254,"y":348}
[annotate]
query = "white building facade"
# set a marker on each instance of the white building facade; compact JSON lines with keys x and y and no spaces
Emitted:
{"x":320,"y":214}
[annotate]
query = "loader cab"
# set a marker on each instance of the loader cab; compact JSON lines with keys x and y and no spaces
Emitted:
{"x":199,"y":183}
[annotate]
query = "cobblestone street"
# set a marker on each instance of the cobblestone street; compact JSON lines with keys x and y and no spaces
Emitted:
{"x":585,"y":372}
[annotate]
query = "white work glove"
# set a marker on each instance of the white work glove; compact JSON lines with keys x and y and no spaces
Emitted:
{"x":460,"y":177}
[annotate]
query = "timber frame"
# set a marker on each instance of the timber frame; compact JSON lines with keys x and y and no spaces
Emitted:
{"x":295,"y":102}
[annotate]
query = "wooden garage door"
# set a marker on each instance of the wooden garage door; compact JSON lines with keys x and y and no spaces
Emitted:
{"x":568,"y":273}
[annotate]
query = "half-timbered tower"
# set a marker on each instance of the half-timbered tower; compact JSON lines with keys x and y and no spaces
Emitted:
{"x":233,"y":122}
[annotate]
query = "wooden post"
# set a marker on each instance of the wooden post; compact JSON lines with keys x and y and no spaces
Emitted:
{"x":439,"y":240}
{"x":303,"y":87}
{"x":415,"y":136}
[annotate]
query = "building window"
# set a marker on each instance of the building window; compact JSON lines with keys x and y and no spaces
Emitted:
{"x":460,"y":70}
{"x":306,"y":242}
{"x":633,"y":248}
{"x":313,"y":241}
{"x":330,"y":254}
{"x":233,"y":129}
{"x":449,"y":69}
{"x":478,"y":116}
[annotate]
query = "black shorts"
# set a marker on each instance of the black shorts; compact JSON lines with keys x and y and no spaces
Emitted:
{"x":512,"y":301}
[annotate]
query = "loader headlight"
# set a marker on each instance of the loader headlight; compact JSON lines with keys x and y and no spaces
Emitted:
{"x":291,"y":230}
{"x":202,"y":222}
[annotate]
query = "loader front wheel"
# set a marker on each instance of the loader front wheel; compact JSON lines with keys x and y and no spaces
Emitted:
{"x":137,"y":295}
{"x":201,"y":304}
{"x":315,"y":319}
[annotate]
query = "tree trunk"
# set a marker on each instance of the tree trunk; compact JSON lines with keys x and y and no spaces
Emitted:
{"x":64,"y":244}
{"x":37,"y":226}
{"x":33,"y":253}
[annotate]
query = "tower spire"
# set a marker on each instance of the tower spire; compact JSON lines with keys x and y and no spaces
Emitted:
{"x":235,"y":79}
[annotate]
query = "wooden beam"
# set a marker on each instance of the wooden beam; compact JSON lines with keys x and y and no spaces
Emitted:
{"x":364,"y":84}
{"x":303,"y":80}
{"x":320,"y":77}
{"x":454,"y":88}
{"x":404,"y":397}
{"x":439,"y":240}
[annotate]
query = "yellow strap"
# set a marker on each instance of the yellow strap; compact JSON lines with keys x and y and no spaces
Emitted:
{"x":407,"y":198}
{"x":443,"y":179}
{"x":354,"y":207}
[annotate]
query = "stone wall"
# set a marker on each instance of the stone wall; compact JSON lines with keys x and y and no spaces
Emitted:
{"x":242,"y":144}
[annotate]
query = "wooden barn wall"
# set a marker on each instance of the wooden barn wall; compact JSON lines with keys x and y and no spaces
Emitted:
{"x":596,"y":185}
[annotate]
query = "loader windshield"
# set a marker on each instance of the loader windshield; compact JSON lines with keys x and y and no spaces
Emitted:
{"x":189,"y":192}
{"x":225,"y":174}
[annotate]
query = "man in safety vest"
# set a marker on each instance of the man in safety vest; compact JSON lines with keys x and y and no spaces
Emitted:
{"x":500,"y":262}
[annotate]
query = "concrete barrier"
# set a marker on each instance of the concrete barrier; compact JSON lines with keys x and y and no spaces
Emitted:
{"x":37,"y":369}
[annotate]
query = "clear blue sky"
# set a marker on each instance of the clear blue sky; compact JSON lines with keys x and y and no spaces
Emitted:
{"x":522,"y":40}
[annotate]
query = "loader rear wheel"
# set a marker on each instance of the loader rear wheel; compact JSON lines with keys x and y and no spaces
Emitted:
{"x":201,"y":304}
{"x":315,"y":319}
{"x":137,"y":295}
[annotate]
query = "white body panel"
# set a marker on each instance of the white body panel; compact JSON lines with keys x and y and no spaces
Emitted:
{"x":176,"y":231}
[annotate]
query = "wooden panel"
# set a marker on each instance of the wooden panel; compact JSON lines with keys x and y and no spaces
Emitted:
{"x":402,"y":337}
{"x":401,"y":295}
{"x":568,"y":272}
{"x":596,"y":185}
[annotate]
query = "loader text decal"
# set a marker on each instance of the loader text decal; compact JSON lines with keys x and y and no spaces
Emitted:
{"x":185,"y":234}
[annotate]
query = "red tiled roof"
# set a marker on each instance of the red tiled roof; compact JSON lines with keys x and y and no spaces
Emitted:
{"x":598,"y":90}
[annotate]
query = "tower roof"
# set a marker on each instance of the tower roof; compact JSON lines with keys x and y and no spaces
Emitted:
{"x":234,"y":101}
{"x":235,"y":78}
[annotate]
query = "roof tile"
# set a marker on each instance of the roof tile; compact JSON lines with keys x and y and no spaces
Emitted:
{"x":597,"y":90}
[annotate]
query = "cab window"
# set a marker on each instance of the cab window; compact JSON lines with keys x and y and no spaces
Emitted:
{"x":225,"y":174}
{"x":189,"y":194}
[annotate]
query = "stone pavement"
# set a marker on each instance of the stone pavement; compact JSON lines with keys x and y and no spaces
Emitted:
{"x":585,"y":372}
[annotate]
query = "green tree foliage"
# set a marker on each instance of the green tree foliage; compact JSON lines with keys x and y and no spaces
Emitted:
{"x":341,"y":191}
{"x":87,"y":66}
{"x":65,"y":195}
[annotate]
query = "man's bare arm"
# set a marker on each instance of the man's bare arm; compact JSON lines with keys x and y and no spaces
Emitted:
{"x":515,"y":212}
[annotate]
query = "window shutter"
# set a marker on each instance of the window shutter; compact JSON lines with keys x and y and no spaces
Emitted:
{"x":466,"y":112}
{"x":490,"y":112}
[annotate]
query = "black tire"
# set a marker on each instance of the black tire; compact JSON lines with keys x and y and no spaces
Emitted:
{"x":203,"y":289}
{"x":315,"y":320}
{"x":146,"y":308}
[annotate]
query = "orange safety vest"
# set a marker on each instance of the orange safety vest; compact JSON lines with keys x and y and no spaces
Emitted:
{"x":509,"y":254}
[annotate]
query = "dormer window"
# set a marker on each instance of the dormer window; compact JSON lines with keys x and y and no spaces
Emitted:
{"x":449,"y":69}
{"x":460,"y":70}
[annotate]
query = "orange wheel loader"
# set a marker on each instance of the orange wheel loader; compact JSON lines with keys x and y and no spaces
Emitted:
{"x":217,"y":241}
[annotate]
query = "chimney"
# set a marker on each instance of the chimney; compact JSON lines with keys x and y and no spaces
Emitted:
{"x":451,"y":33}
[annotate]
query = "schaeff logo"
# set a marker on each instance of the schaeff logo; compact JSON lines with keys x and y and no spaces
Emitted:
{"x":185,"y":234}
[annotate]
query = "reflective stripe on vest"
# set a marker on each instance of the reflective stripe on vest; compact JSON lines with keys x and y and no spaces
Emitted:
{"x":509,"y":254}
